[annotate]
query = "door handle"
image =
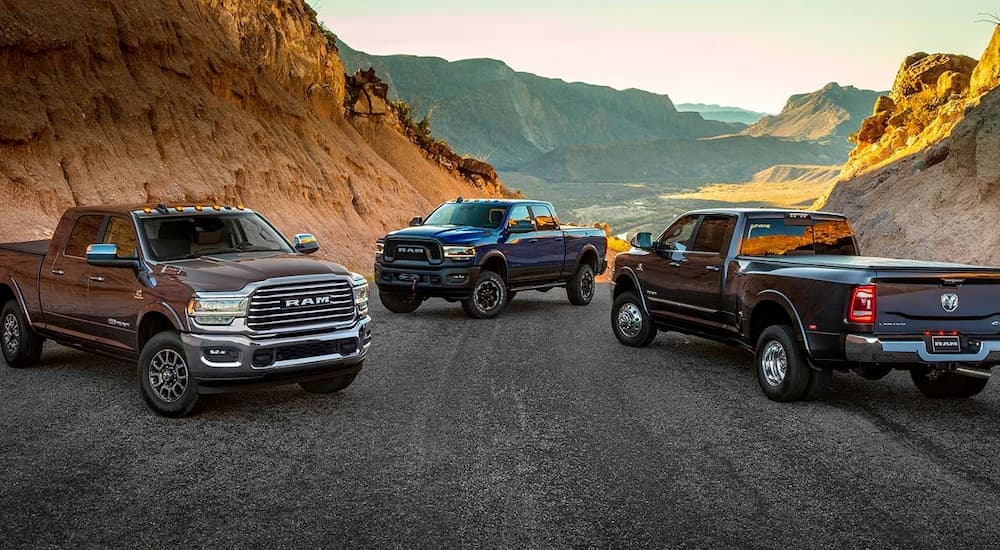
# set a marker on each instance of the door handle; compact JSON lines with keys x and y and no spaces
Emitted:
{"x":58,"y":272}
{"x":532,"y":241}
{"x":559,"y":239}
{"x":97,"y":278}
{"x":712,"y":268}
{"x":674,"y":264}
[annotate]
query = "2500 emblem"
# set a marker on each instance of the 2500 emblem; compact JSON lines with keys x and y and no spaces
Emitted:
{"x":304,"y":302}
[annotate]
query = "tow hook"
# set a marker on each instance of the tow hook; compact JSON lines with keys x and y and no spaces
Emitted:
{"x":413,"y":289}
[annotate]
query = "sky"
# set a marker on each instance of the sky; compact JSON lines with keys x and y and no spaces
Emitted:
{"x":751,"y":54}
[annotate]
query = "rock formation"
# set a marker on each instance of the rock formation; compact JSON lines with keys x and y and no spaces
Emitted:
{"x":236,"y":101}
{"x":830,"y":113}
{"x":928,"y":184}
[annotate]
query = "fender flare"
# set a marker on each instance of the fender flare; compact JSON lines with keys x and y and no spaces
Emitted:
{"x":583,"y":251}
{"x":627,"y":271}
{"x":19,"y":298}
{"x":161,"y":308}
{"x":496,"y":254}
{"x":785,"y":302}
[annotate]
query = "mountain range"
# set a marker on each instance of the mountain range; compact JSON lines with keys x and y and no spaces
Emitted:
{"x":711,"y":111}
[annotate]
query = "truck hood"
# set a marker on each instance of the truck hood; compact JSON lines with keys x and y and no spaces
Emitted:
{"x":448,"y":234}
{"x":232,"y":273}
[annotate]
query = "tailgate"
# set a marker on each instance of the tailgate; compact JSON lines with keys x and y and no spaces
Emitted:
{"x":913,"y":302}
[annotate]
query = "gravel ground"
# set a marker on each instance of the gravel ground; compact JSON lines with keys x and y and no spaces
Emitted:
{"x":533,"y":430}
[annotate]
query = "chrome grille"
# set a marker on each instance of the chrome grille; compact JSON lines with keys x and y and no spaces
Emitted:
{"x":282,"y":307}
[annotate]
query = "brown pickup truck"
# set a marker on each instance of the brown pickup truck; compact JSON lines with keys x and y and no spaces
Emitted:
{"x":206,"y":299}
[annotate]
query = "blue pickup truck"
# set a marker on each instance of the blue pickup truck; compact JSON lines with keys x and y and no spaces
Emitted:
{"x":483,"y":252}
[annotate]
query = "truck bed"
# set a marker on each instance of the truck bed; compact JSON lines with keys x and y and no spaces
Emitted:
{"x":870,"y":263}
{"x":34,"y":248}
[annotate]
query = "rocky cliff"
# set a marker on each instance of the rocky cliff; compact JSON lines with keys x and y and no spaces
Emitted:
{"x":236,"y":101}
{"x":832,"y":113}
{"x":924,"y":179}
{"x":484,"y":108}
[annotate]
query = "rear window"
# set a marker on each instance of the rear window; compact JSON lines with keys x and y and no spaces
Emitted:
{"x":781,"y":237}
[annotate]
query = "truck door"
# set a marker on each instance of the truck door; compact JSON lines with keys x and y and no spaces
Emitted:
{"x":550,"y":242}
{"x":112,"y":290}
{"x":518,"y":248}
{"x":64,"y":280}
{"x":661,"y":267}
{"x":697,"y":282}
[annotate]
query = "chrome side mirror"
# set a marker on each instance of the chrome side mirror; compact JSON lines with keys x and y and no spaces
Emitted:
{"x":643,"y":240}
{"x":106,"y":255}
{"x":305,"y":243}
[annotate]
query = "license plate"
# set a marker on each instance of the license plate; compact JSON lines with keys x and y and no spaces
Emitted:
{"x":946,"y":344}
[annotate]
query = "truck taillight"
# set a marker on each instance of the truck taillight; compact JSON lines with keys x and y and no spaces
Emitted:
{"x":862,"y":309}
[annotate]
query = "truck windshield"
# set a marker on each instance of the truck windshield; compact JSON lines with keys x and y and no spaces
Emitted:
{"x":466,"y":214}
{"x":184,"y":237}
{"x":775,"y":237}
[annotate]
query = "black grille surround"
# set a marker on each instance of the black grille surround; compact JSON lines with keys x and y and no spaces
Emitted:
{"x":284,"y":307}
{"x":413,"y":250}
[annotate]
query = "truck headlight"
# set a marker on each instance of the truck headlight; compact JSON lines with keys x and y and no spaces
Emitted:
{"x":360,"y":293}
{"x":379,"y":248}
{"x":460,"y":252}
{"x":217,"y":311}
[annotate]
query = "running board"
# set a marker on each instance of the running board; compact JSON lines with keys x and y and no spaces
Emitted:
{"x":545,"y":286}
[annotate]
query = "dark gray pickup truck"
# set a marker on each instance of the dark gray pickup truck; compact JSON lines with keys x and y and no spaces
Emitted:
{"x":793,"y":287}
{"x":205,"y":298}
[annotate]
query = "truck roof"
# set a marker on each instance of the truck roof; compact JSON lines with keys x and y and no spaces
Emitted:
{"x":501,"y":202}
{"x":154,"y":209}
{"x":762,"y":212}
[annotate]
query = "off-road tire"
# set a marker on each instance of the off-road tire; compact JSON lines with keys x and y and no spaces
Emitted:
{"x":581,"y":287}
{"x":489,"y":296}
{"x":630,"y":322}
{"x":21,"y":346}
{"x":160,"y":356}
{"x":947,"y":385}
{"x":777,"y":348}
{"x":399,"y":303}
{"x":329,"y":385}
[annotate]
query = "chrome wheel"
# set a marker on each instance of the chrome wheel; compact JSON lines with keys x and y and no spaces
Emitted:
{"x":489,"y":295}
{"x":11,"y":335}
{"x":630,"y":320}
{"x":587,"y":285}
{"x":774,"y":363}
{"x":168,"y":375}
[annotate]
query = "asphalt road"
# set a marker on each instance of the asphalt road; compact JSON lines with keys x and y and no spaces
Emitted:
{"x":534,"y":430}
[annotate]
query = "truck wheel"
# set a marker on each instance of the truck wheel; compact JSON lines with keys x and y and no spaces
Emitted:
{"x":580,"y":289}
{"x":946,"y":385}
{"x":22,"y":347}
{"x":489,"y":296}
{"x":165,"y":381}
{"x":782,"y":370}
{"x":629,"y":321}
{"x":399,"y":303}
{"x":329,"y":385}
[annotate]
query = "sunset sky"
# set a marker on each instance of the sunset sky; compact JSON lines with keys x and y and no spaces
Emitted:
{"x":751,"y":54}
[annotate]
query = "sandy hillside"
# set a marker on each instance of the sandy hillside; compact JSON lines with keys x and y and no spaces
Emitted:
{"x":236,"y":101}
{"x":924,"y":180}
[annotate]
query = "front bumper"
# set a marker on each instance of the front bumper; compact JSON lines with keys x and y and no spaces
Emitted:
{"x":445,"y":282}
{"x":870,"y":349}
{"x":249,"y":361}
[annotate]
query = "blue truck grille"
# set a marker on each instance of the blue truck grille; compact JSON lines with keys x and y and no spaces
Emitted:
{"x":413,"y":250}
{"x":292,"y":306}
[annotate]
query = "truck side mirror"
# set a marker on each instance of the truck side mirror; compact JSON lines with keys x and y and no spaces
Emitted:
{"x":522,"y":226}
{"x":643,"y":240}
{"x":106,"y":255}
{"x":416,"y":221}
{"x":305,"y":243}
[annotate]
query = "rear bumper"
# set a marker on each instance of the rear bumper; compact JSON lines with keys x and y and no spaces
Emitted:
{"x":288,"y":360}
{"x":446,"y":282}
{"x":870,"y":349}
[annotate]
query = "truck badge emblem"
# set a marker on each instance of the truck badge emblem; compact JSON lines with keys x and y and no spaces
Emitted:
{"x":305,"y":302}
{"x":638,"y":267}
{"x":138,"y":294}
{"x":949,"y":302}
{"x":410,"y":250}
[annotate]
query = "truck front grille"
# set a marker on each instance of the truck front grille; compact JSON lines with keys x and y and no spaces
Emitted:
{"x":413,"y":250}
{"x":291,"y":306}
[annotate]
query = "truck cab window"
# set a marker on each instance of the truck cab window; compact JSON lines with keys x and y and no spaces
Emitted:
{"x":677,"y":235}
{"x":84,"y":234}
{"x":119,"y":232}
{"x":714,"y":234}
{"x":544,"y":218}
{"x":519,"y":214}
{"x":776,"y":237}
